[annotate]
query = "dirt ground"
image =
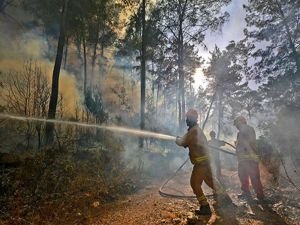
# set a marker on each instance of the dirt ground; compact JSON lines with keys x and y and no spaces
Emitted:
{"x":148,"y":207}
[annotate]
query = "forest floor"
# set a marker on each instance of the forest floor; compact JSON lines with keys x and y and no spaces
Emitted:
{"x":148,"y":207}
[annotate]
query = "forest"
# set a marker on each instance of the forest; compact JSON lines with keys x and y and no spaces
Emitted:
{"x":94,"y":92}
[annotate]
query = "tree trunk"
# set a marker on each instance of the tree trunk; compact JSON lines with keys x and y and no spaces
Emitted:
{"x":249,"y":113}
{"x":220,"y":112}
{"x":157,"y":97}
{"x":143,"y":70}
{"x":181,"y":77}
{"x":102,"y":62}
{"x":84,"y":67}
{"x":78,"y":46}
{"x":48,"y":54}
{"x":153,"y":94}
{"x":55,"y":76}
{"x":209,"y":109}
{"x":178,"y":103}
{"x":66,"y":52}
{"x":94,"y":57}
{"x":290,"y":40}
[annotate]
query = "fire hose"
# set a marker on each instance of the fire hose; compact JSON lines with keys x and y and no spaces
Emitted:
{"x":169,"y":195}
{"x":165,"y":194}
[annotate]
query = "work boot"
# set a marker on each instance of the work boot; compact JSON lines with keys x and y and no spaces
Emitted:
{"x":245,"y":196}
{"x":204,"y":210}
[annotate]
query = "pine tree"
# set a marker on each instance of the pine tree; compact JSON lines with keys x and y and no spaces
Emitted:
{"x":273,"y":31}
{"x":184,"y":23}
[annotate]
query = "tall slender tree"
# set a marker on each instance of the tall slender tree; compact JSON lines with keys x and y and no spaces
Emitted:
{"x":185,"y":22}
{"x":225,"y":73}
{"x":56,"y":72}
{"x":143,"y":69}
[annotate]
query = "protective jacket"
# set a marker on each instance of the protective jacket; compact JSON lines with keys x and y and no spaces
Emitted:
{"x":246,"y":150}
{"x":246,"y":147}
{"x":196,"y":141}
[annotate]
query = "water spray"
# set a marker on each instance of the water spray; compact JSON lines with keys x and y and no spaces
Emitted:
{"x":165,"y":194}
{"x":134,"y":132}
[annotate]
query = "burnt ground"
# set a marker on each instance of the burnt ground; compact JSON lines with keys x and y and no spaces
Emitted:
{"x":148,"y":207}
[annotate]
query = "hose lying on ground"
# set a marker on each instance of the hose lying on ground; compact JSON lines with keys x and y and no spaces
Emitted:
{"x":165,"y":194}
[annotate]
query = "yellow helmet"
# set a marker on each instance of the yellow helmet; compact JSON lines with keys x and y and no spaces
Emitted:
{"x":240,"y":120}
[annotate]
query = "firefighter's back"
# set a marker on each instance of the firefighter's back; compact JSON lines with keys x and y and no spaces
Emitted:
{"x":198,"y":145}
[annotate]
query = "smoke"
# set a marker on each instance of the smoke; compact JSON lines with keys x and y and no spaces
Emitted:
{"x":121,"y":94}
{"x":284,"y":132}
{"x":16,"y":50}
{"x":25,"y":46}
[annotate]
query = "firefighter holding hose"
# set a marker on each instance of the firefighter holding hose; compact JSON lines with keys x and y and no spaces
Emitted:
{"x":197,"y":144}
{"x":246,"y":151}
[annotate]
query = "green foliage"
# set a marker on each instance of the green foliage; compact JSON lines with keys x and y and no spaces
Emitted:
{"x":174,"y":31}
{"x":94,"y":103}
{"x":49,"y":12}
{"x":184,"y":24}
{"x":190,"y":19}
{"x":227,"y":67}
{"x":225,"y":74}
{"x":95,"y":21}
{"x":273,"y":31}
{"x":4,"y":4}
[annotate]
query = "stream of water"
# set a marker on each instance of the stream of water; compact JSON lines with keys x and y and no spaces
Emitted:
{"x":126,"y":130}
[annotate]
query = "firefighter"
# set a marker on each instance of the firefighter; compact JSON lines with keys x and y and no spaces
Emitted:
{"x":215,"y":154}
{"x":196,"y":142}
{"x":246,"y":150}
